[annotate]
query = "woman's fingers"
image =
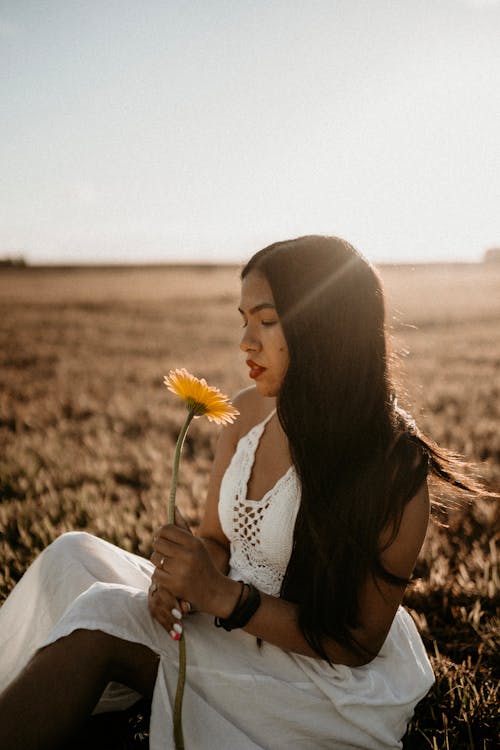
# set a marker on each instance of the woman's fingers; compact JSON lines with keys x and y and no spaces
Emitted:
{"x":180,"y":572}
{"x":165,"y":608}
{"x":180,"y":521}
{"x":184,"y":566}
{"x":174,"y":534}
{"x":178,"y":532}
{"x":170,"y":542}
{"x":179,"y":558}
{"x":159,"y":560}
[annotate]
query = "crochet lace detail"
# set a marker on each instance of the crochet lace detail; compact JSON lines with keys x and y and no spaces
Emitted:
{"x":260,"y":531}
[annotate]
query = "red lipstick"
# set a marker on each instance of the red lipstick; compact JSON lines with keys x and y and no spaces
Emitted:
{"x":255,"y":369}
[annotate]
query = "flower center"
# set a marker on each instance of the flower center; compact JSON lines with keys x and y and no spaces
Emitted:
{"x":196,"y":407}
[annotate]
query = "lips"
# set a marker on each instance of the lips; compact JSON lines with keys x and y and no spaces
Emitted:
{"x":255,"y":369}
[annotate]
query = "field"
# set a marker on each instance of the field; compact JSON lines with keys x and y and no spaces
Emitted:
{"x":87,"y":432}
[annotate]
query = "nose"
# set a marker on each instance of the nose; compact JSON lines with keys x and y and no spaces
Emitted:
{"x":248,"y":341}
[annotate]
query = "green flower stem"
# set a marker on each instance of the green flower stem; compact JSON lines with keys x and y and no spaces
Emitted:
{"x":179,"y":695}
{"x":175,"y":470}
{"x":181,"y":680}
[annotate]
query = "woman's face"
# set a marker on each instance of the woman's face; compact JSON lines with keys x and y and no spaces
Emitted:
{"x":263,"y":340}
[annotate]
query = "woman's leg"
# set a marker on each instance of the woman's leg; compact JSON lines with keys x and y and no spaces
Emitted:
{"x":62,"y":684}
{"x":66,"y":569}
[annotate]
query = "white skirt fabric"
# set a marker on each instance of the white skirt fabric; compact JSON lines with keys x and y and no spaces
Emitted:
{"x":237,"y":696}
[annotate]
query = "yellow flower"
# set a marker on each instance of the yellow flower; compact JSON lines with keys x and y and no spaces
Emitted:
{"x":200,"y":398}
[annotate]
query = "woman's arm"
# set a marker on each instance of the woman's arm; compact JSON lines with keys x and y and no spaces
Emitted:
{"x":190,"y":573}
{"x":252,"y":409}
{"x":196,"y":566}
{"x":210,"y":530}
{"x":210,"y":534}
{"x":276,"y":620}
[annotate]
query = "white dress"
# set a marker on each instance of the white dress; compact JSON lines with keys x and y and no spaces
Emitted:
{"x":237,"y":696}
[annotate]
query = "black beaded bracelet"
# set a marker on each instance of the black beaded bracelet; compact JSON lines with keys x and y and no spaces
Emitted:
{"x":243,"y":611}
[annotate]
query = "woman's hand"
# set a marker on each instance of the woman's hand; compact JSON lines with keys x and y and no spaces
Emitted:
{"x":185,"y":572}
{"x":164,"y":607}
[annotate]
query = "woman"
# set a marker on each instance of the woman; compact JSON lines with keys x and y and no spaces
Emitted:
{"x":317,"y":500}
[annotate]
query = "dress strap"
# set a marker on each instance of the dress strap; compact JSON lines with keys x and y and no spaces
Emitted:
{"x":248,"y":447}
{"x":255,"y":433}
{"x":267,"y":419}
{"x":258,"y":429}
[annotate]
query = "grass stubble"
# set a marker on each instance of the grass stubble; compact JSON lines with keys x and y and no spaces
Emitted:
{"x":86,"y":428}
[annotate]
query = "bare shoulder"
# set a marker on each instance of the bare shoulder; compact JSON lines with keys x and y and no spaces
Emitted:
{"x":379,"y":597}
{"x":253,"y":409}
{"x":400,"y":554}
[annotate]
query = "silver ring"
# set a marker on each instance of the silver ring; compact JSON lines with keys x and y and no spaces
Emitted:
{"x":154,"y":588}
{"x":161,"y":562}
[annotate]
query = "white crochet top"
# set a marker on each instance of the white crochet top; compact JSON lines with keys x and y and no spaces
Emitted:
{"x":260,"y":531}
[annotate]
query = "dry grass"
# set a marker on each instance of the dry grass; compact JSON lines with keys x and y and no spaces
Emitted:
{"x":87,"y":431}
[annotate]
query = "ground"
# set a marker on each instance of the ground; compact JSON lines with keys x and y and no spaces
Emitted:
{"x":88,"y":429}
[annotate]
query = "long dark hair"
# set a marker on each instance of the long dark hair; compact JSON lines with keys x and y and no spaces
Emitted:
{"x":359,"y":458}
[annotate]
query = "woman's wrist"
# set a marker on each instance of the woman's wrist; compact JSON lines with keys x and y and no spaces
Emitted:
{"x":246,"y":606}
{"x":226,"y":598}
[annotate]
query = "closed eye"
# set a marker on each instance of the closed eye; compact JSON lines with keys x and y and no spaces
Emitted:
{"x":266,"y":323}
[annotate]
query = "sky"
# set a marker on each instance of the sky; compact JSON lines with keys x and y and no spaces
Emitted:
{"x":160,"y":130}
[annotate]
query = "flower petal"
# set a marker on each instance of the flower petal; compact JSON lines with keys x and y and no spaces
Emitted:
{"x":200,"y":398}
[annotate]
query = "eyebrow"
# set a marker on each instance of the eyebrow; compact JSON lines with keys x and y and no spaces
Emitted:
{"x":258,"y":308}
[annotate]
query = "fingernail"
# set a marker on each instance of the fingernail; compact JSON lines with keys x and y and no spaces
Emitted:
{"x":177,"y":614}
{"x":177,"y":627}
{"x":174,"y":635}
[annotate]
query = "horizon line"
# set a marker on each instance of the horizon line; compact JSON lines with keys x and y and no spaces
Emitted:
{"x":23,"y":264}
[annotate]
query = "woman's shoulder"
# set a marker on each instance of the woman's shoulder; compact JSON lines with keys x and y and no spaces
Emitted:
{"x":253,"y":409}
{"x":401,"y":543}
{"x":408,"y":463}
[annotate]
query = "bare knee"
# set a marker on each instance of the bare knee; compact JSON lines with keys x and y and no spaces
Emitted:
{"x":80,"y":645}
{"x":131,"y":664}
